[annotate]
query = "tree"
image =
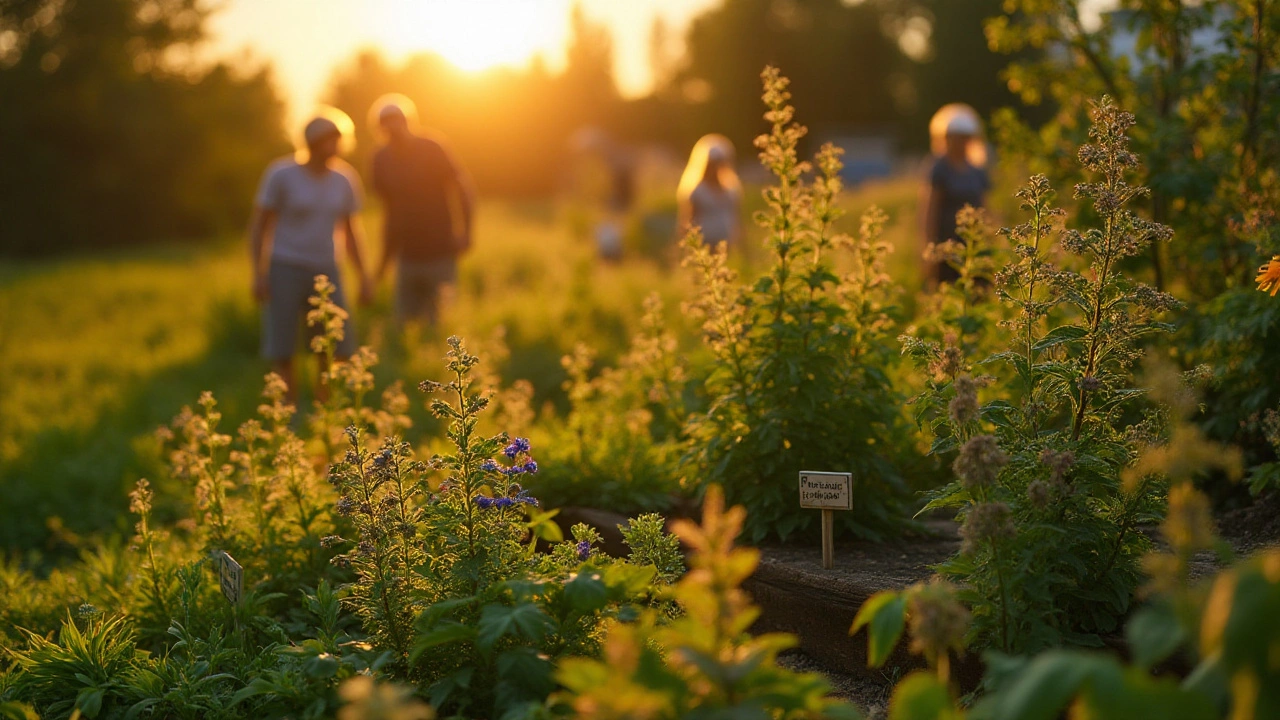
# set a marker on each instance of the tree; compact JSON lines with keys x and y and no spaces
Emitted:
{"x":111,"y":139}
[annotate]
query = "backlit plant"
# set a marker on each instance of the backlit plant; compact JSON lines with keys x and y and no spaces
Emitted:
{"x":1050,"y":532}
{"x":798,"y":380}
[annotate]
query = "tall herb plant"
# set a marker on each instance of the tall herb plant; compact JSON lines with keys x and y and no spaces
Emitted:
{"x":800,"y":352}
{"x":1051,"y":546}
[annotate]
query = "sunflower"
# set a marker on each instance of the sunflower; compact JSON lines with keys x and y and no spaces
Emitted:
{"x":1269,"y":276}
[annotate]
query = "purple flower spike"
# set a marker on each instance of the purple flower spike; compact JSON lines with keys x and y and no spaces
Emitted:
{"x":584,"y":550}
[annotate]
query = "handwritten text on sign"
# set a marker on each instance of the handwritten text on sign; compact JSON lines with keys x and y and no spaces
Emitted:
{"x":829,"y":490}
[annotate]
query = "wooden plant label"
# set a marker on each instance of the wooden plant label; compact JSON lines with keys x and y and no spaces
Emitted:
{"x":230,"y":577}
{"x":827,"y":491}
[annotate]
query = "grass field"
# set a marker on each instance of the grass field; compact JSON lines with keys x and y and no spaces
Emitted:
{"x":97,"y":351}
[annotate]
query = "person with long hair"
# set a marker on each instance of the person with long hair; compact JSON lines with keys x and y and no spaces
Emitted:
{"x":302,"y":201}
{"x":429,"y":208}
{"x":709,"y":196}
{"x":957,"y":177}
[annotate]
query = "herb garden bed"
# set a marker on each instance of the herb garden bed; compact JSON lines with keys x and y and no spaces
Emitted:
{"x":796,"y":595}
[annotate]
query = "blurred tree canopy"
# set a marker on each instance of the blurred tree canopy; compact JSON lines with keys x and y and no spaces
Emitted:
{"x":118,"y":137}
{"x":510,"y":127}
{"x":122,"y":136}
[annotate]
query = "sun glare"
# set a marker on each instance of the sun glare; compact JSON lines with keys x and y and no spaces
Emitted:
{"x":475,"y":34}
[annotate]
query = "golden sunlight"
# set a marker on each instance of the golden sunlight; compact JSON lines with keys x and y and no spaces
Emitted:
{"x":475,"y":34}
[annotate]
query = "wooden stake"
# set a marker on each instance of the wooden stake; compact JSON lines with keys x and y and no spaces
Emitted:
{"x":828,"y":539}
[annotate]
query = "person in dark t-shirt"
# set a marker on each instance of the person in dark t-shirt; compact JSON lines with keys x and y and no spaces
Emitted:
{"x":428,"y":204}
{"x":954,"y":182}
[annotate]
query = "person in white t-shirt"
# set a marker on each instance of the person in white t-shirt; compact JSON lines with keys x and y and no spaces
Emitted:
{"x":710,"y":196}
{"x":301,"y":204}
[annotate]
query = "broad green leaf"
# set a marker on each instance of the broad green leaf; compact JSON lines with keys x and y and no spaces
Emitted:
{"x":921,"y":696}
{"x":884,"y":614}
{"x":442,"y":634}
{"x":1043,"y":690}
{"x":626,"y":581}
{"x":524,"y":620}
{"x":1153,"y":634}
{"x":586,"y":592}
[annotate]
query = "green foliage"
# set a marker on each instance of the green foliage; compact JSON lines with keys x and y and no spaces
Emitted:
{"x":1051,"y":551}
{"x":441,"y":586}
{"x":118,"y":140}
{"x":619,"y":443}
{"x":703,"y":664}
{"x":1212,"y":157}
{"x":797,"y":349}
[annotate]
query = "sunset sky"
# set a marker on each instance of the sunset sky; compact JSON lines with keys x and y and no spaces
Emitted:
{"x":304,"y":39}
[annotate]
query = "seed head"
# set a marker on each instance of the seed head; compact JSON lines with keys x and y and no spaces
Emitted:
{"x":964,"y":406}
{"x":937,"y":620}
{"x":986,"y":522}
{"x":980,"y":461}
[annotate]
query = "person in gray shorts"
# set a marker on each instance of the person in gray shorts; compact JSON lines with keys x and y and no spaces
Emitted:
{"x":300,"y":204}
{"x":428,"y":205}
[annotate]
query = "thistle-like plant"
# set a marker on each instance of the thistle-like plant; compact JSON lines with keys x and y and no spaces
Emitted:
{"x":1039,"y":464}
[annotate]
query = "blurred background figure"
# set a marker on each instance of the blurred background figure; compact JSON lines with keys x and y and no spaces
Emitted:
{"x":710,"y":195}
{"x":428,"y":203}
{"x":619,"y":164}
{"x":957,"y":177}
{"x":302,"y":201}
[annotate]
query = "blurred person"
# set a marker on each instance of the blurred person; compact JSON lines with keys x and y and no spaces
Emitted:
{"x":619,"y":162}
{"x":710,"y":195}
{"x":301,"y":203}
{"x":428,"y":208}
{"x":957,"y":177}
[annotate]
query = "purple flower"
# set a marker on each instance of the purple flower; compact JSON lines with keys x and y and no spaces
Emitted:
{"x":490,"y":466}
{"x":483,"y":502}
{"x":531,"y":466}
{"x":517,"y":446}
{"x":584,"y":550}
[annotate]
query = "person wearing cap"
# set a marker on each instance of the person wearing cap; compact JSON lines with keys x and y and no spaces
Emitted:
{"x":709,"y":195}
{"x":957,"y":178}
{"x":302,"y":202}
{"x":428,"y":207}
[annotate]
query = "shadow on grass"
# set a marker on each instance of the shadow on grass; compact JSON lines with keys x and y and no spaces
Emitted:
{"x":70,"y":482}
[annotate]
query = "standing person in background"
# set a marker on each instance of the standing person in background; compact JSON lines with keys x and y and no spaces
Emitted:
{"x":301,"y":202}
{"x":428,"y":204}
{"x":710,"y":196}
{"x":958,"y":177}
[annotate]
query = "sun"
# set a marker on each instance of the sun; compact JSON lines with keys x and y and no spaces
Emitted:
{"x":474,"y":35}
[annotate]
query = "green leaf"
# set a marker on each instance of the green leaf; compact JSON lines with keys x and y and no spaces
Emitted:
{"x":586,"y":592}
{"x":1153,"y":634}
{"x":89,"y":702}
{"x":884,"y":614}
{"x":1061,"y":334}
{"x":625,"y":580}
{"x":921,"y":696}
{"x":443,"y":634}
{"x":257,"y":686}
{"x":524,"y":620}
{"x":1043,"y":690}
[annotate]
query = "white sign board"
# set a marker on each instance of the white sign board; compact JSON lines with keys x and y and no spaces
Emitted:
{"x":230,"y":577}
{"x":826,"y":490}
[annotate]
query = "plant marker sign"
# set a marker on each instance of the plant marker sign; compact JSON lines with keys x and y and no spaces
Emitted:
{"x":230,"y":577}
{"x":826,"y":491}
